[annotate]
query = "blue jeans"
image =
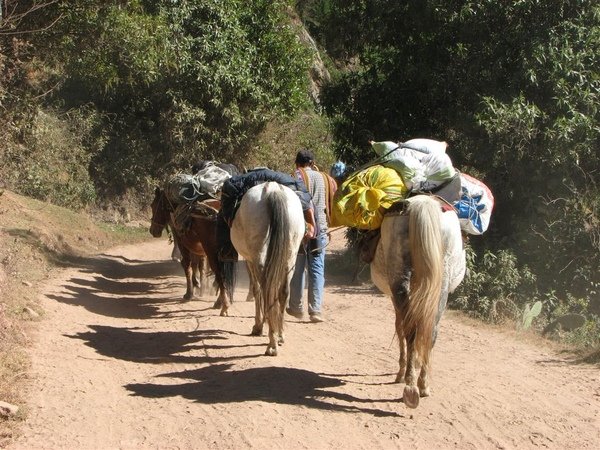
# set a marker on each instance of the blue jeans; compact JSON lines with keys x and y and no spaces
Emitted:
{"x":314,"y":261}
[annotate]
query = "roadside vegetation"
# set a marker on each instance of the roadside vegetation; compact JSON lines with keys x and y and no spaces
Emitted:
{"x":514,"y":89}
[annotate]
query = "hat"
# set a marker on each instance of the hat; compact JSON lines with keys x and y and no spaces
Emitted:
{"x":304,"y":157}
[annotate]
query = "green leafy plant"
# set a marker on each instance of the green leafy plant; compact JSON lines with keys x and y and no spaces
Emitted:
{"x":529,"y":313}
{"x":496,"y":287}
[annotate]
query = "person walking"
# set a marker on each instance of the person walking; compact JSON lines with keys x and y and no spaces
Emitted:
{"x":312,"y":255}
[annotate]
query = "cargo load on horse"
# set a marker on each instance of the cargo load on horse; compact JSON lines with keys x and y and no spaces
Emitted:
{"x":360,"y":202}
{"x":422,"y":163}
{"x":235,"y":188}
{"x":402,"y":170}
{"x":204,"y":184}
{"x":475,"y":206}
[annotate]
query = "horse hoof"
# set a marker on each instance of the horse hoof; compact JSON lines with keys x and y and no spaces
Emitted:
{"x":256,"y":331}
{"x":224,"y":312}
{"x":187,"y":297}
{"x":411,"y":396}
{"x":271,"y":351}
{"x":425,"y":392}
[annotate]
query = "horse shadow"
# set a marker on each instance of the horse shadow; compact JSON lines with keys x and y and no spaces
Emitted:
{"x":136,"y":345}
{"x":113,"y":291}
{"x":122,"y":307}
{"x":219,"y":381}
{"x":219,"y":384}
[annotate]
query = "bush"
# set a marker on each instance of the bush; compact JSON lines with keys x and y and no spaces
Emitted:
{"x":281,"y":139}
{"x":585,"y":334}
{"x":51,"y":160}
{"x":495,"y":289}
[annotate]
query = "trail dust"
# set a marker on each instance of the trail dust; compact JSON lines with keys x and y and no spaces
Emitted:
{"x":121,"y":362}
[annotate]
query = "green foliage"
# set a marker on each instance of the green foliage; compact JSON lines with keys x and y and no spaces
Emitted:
{"x":496,"y":288}
{"x":51,"y":163}
{"x":116,"y":50}
{"x":587,"y":335}
{"x":514,"y":88}
{"x":281,"y":139}
{"x":530,"y":313}
{"x":176,"y":82}
{"x":575,"y":320}
{"x":566,"y":322}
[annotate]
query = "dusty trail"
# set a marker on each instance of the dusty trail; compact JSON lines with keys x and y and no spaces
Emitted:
{"x":121,"y":362}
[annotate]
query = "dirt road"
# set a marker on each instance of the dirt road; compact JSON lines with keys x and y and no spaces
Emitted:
{"x":121,"y":362}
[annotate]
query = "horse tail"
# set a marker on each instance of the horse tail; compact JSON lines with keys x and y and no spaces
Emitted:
{"x":427,"y":260}
{"x":228,"y":276}
{"x":275,"y":272}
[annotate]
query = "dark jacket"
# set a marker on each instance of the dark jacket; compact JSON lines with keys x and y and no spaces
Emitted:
{"x":235,"y":187}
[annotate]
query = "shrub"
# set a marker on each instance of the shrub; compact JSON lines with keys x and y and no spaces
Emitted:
{"x":496,"y":288}
{"x":51,"y":160}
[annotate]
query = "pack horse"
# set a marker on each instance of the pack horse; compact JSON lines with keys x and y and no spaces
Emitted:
{"x":197,"y":238}
{"x":267,"y":231}
{"x":418,"y":261}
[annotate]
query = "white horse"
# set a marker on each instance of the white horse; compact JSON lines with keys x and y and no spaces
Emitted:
{"x":267,"y":231}
{"x":419,"y":259}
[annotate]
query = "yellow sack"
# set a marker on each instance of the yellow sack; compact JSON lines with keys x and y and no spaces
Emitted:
{"x":362,"y":199}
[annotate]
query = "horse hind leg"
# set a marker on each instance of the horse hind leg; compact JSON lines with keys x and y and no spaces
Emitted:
{"x":272,"y":346}
{"x":399,"y":299}
{"x":201,"y":275}
{"x":176,"y":253}
{"x":257,"y":328}
{"x":411,"y":391}
{"x":400,"y":376}
{"x":188,"y":269}
{"x":274,"y":319}
{"x":250,"y":296}
{"x":255,"y":288}
{"x":283,"y":299}
{"x":423,"y":382}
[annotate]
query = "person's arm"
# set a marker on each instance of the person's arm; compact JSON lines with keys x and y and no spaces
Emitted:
{"x":309,"y":217}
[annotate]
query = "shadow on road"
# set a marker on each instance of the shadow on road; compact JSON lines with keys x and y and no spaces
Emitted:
{"x":136,"y":345}
{"x":283,"y":385}
{"x":113,"y":291}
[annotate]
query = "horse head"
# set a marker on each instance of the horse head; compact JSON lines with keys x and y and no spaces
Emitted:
{"x":160,"y":213}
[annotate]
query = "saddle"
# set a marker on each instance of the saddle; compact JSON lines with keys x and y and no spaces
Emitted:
{"x":184,"y":213}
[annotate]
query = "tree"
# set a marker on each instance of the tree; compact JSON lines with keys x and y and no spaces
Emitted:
{"x":513,"y":87}
{"x":178,"y":81}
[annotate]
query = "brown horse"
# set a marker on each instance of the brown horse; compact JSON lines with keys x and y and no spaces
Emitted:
{"x":197,"y":237}
{"x":197,"y":264}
